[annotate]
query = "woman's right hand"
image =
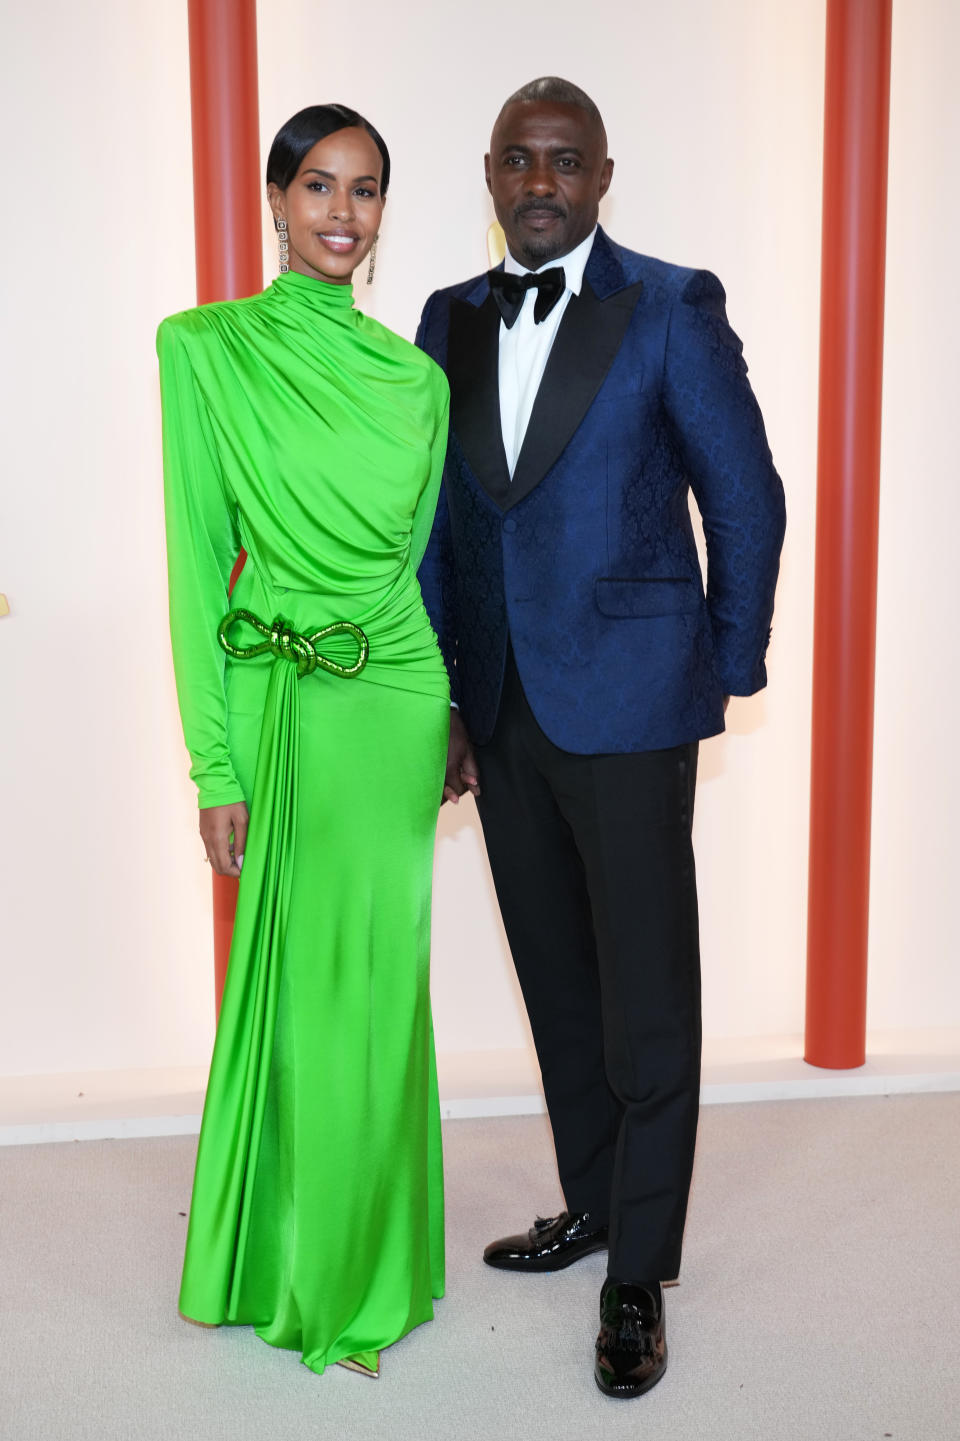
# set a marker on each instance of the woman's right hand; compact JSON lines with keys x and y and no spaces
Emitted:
{"x":223,"y":830}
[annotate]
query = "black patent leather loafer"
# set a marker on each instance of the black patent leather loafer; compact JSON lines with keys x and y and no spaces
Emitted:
{"x":549,"y":1245}
{"x":632,"y":1345}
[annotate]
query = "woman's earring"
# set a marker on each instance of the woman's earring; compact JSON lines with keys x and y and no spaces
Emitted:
{"x":283,"y":246}
{"x":373,"y":261}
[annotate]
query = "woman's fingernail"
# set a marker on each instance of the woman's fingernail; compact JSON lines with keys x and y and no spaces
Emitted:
{"x":239,"y":863}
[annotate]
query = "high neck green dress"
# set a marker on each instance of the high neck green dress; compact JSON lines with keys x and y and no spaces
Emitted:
{"x":306,"y":433}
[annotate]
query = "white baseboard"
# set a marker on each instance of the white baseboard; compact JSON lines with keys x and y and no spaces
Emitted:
{"x":119,"y":1104}
{"x":772,"y":1068}
{"x":101,"y":1105}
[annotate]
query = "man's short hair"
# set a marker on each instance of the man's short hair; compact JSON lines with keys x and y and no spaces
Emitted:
{"x":554,"y":91}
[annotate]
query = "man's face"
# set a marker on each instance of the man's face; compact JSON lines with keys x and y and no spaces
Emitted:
{"x":547,"y":171}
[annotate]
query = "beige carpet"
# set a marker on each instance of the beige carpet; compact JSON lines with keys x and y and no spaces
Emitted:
{"x":820,"y":1299}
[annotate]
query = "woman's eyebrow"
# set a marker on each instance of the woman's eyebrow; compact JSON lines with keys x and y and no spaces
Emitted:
{"x":328,"y":175}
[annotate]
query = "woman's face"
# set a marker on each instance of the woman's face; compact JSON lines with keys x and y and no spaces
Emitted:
{"x":332,"y":206}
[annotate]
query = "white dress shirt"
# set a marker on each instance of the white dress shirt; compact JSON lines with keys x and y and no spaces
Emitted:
{"x":525,"y":349}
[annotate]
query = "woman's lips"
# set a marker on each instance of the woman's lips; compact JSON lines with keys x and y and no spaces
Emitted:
{"x":340,"y":244}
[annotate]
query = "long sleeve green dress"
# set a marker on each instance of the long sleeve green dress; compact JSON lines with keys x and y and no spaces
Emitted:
{"x":308,"y":434}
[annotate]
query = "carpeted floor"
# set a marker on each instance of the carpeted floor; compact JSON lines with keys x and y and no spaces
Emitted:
{"x":820,"y":1298}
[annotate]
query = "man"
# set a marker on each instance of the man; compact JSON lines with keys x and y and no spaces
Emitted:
{"x":591,"y":388}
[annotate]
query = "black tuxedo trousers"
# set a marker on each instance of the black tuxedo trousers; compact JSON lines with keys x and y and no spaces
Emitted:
{"x":592,"y":860}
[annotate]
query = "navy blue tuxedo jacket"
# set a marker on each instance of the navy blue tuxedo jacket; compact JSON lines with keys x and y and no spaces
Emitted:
{"x":587,"y":558}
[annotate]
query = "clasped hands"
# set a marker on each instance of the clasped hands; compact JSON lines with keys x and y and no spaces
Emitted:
{"x":462,"y":774}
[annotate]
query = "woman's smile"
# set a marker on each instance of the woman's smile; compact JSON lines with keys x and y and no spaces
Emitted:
{"x":339,"y":241}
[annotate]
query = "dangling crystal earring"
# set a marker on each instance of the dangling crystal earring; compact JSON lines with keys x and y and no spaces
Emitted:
{"x":373,"y":261}
{"x":283,"y":246}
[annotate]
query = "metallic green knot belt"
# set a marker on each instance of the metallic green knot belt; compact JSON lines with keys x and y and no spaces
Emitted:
{"x":288,"y":644}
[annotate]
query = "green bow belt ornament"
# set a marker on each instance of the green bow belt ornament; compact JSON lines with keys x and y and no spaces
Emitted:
{"x":288,"y":644}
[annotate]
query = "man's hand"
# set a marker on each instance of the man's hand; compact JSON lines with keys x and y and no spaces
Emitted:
{"x":223,"y":830}
{"x":461,"y":773}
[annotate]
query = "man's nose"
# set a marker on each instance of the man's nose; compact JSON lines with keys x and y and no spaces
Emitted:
{"x":541,"y":180}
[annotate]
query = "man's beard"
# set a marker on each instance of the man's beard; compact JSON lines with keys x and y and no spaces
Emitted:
{"x":535,"y":252}
{"x":536,"y":249}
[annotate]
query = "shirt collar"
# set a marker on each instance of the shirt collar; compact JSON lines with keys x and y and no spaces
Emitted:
{"x":574,"y":264}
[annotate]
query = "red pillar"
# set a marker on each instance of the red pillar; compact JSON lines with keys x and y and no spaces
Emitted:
{"x":227,"y":196}
{"x":227,"y":190}
{"x":848,"y":463}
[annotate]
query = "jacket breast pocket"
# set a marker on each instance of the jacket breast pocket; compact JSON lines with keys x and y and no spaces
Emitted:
{"x":658,"y":595}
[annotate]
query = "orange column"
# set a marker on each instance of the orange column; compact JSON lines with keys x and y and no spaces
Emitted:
{"x":848,"y":464}
{"x":227,"y":197}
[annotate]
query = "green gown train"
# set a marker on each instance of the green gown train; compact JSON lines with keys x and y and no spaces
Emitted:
{"x":308,"y":434}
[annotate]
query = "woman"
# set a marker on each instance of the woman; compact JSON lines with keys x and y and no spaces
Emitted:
{"x":310,"y":436}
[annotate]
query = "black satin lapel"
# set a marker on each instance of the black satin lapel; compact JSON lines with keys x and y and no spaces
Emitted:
{"x":589,"y":337}
{"x":473,"y":355}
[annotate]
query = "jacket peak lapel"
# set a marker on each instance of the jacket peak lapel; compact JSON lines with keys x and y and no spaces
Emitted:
{"x":587,"y":341}
{"x":473,"y":373}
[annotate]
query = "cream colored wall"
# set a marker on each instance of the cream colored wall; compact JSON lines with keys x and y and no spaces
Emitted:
{"x":714,"y":116}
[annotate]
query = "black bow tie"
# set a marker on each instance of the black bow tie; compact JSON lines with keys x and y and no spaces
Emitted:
{"x":509,"y":291}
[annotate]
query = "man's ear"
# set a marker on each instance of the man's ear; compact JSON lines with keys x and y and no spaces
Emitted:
{"x":486,"y":172}
{"x":606,"y":175}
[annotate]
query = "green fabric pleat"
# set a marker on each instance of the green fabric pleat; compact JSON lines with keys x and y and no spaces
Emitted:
{"x":229,"y":1146}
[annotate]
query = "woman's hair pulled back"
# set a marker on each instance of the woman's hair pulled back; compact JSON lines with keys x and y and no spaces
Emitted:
{"x":302,"y":131}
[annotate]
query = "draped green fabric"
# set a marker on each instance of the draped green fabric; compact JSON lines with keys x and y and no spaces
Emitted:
{"x":300,"y":429}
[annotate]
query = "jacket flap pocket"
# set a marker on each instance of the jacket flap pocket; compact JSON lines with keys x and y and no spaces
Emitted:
{"x":658,"y":595}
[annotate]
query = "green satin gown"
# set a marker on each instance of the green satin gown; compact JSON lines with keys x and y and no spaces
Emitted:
{"x":306,"y":433}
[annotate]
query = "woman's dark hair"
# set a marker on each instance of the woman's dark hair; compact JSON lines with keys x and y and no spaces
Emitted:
{"x":301,"y":133}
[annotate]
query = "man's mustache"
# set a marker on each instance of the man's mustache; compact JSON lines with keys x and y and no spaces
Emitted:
{"x":540,"y":207}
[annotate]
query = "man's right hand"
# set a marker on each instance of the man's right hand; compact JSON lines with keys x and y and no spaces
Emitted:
{"x":461,"y":773}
